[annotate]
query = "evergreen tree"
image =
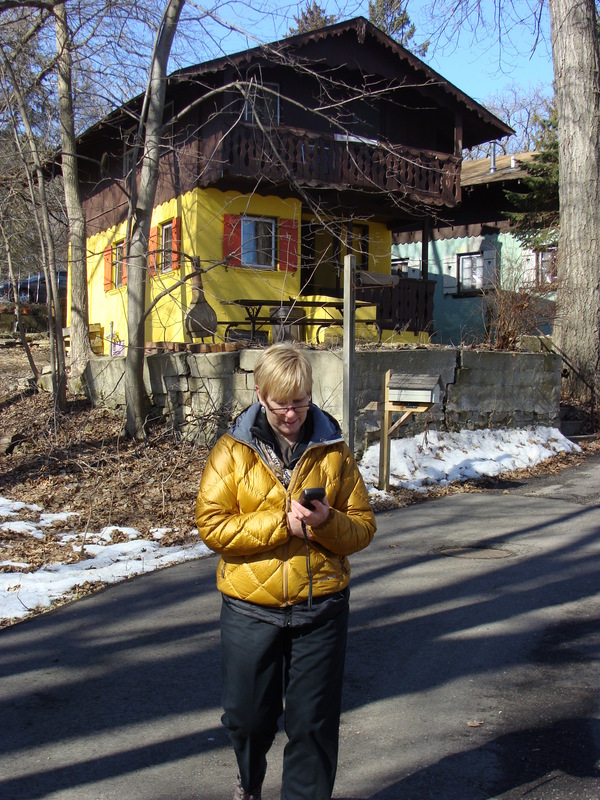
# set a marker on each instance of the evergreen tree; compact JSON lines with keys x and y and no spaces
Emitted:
{"x":534,"y":208}
{"x":391,"y":17}
{"x":312,"y":18}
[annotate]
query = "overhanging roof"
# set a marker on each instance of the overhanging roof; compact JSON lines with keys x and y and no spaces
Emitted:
{"x":480,"y":125}
{"x":483,"y":170}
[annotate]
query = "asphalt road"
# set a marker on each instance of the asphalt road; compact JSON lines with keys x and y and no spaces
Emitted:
{"x":472,"y":668}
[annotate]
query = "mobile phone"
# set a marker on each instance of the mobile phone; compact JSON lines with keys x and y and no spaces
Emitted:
{"x":318,"y":493}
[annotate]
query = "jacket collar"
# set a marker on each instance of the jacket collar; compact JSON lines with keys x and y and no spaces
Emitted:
{"x":325,"y":428}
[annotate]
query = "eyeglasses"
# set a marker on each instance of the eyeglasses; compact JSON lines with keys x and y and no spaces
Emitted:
{"x":297,"y":408}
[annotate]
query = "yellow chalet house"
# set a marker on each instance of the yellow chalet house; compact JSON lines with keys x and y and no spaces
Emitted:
{"x":279,"y":161}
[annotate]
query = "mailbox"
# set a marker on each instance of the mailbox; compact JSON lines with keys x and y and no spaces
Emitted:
{"x":407,"y":393}
{"x":408,"y":388}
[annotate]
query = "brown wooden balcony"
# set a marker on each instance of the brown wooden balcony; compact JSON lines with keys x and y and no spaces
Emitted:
{"x":324,"y":160}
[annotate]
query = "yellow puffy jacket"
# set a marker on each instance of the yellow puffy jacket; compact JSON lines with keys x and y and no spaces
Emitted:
{"x":241,"y":514}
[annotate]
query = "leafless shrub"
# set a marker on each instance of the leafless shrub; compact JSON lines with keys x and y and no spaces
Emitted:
{"x":517,"y":306}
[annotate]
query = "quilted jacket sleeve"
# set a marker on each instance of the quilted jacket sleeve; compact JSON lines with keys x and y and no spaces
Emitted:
{"x":351,"y":523}
{"x":240,"y":509}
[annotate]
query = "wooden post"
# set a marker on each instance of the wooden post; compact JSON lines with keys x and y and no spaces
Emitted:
{"x":425,"y":249}
{"x":348,"y":351}
{"x":384,"y":438}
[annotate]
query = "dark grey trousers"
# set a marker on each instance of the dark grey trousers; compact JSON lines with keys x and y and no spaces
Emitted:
{"x":262,"y":663}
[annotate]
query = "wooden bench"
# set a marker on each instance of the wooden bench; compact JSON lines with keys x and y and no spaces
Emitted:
{"x":329,"y":322}
{"x":236,"y":331}
{"x":245,"y":332}
{"x":319,"y":322}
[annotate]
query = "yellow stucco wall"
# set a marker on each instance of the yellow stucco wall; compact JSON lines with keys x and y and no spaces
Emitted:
{"x":201,"y":212}
{"x":228,"y":283}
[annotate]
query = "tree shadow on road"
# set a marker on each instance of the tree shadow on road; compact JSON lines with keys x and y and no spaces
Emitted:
{"x":560,"y":760}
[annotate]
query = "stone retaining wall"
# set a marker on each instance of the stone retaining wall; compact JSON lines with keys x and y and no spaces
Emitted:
{"x":199,"y":393}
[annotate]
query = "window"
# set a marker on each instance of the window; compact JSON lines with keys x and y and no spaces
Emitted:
{"x":363,"y":120}
{"x":260,"y":242}
{"x":128,"y":151}
{"x":399,"y":266}
{"x":166,"y":137}
{"x":115,"y":267}
{"x":164,"y":246}
{"x":546,"y":267}
{"x":476,"y":271}
{"x":262,"y":103}
{"x":118,"y":264}
{"x":538,"y":269}
{"x":471,"y":271}
{"x":407,"y":268}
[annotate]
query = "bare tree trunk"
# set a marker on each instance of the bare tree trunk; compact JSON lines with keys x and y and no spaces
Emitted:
{"x":142,"y":203}
{"x":59,"y":380}
{"x":81,"y":350}
{"x":576,"y":74}
{"x":15,"y":287}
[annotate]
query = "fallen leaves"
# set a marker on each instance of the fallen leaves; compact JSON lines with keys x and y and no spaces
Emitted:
{"x":79,"y":462}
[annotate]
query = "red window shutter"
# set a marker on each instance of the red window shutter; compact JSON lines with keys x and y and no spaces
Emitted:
{"x":152,"y":247}
{"x":288,"y":244}
{"x":176,"y":243}
{"x":232,"y":239}
{"x":124,"y":278}
{"x":108,"y":284}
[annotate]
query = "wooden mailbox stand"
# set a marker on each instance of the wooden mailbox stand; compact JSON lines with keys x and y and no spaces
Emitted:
{"x":405,"y":394}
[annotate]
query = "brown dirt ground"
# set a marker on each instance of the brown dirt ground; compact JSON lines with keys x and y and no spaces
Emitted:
{"x":80,"y":462}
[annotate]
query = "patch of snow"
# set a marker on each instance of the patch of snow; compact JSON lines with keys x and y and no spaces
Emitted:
{"x":20,"y":526}
{"x":416,"y":463}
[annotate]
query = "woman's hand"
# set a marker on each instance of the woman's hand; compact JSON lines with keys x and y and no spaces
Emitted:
{"x":311,"y":517}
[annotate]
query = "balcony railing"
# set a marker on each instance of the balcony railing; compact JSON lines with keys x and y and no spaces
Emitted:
{"x":407,"y":305}
{"x":317,"y":160}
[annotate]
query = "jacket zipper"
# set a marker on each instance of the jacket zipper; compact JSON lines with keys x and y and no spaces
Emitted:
{"x":286,"y":548}
{"x":288,"y":491}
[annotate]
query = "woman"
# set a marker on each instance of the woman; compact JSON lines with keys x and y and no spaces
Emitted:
{"x":283,"y":574}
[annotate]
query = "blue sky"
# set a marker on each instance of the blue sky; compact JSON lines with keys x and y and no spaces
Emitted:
{"x":474,"y":60}
{"x":482,"y":63}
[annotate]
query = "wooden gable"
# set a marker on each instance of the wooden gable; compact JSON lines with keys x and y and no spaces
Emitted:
{"x":363,"y":158}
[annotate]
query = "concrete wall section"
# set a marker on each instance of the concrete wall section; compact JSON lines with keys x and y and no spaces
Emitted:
{"x":200,"y":393}
{"x":495,"y":389}
{"x":370,"y":370}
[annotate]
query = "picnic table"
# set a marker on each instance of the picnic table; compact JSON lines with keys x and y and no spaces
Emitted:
{"x":254,"y":306}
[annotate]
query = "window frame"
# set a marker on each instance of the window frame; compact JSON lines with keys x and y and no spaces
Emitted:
{"x":546,"y":267}
{"x":115,"y":266}
{"x":118,"y":265}
{"x":166,"y":248}
{"x":127,"y":163}
{"x":165,"y":256}
{"x":252,"y":240}
{"x":255,"y":103}
{"x":486,"y":265}
{"x":400,"y":265}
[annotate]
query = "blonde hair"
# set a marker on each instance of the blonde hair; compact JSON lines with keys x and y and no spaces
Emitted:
{"x":283,"y":372}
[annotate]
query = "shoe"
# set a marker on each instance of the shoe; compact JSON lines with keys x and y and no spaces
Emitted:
{"x":241,"y":794}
